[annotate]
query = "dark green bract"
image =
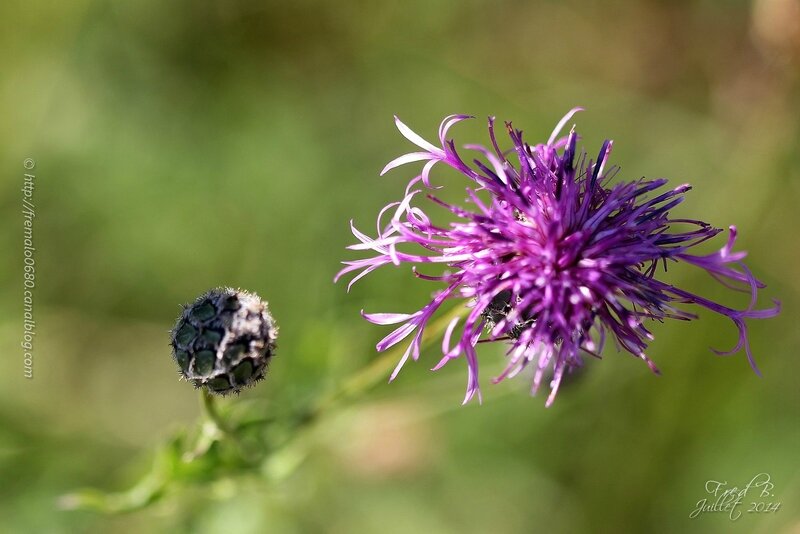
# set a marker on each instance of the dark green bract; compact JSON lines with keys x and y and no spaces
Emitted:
{"x":224,"y":340}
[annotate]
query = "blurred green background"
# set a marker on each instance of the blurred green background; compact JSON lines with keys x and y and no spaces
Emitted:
{"x":189,"y":144}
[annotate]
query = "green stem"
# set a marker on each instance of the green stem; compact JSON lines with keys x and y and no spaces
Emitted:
{"x":352,"y":388}
{"x":292,"y":452}
{"x":209,"y":407}
{"x":218,"y":428}
{"x":379,"y":369}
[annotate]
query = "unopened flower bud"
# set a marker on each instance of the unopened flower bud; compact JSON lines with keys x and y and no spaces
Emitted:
{"x":224,"y":340}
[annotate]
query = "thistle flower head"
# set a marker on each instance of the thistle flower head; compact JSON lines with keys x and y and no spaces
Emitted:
{"x":224,"y":340}
{"x":551,"y":256}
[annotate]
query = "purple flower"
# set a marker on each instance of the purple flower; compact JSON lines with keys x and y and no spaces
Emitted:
{"x":552,"y":257}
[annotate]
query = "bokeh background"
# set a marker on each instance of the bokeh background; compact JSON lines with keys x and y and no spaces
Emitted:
{"x":188,"y":144}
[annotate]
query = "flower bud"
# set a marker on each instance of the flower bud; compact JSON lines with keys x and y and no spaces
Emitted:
{"x":224,"y":340}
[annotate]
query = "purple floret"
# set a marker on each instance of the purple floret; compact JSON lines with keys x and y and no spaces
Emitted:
{"x":551,"y":259}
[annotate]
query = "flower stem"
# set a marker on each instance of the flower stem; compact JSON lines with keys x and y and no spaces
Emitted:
{"x":377,"y":371}
{"x":209,"y":406}
{"x":293,"y":451}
